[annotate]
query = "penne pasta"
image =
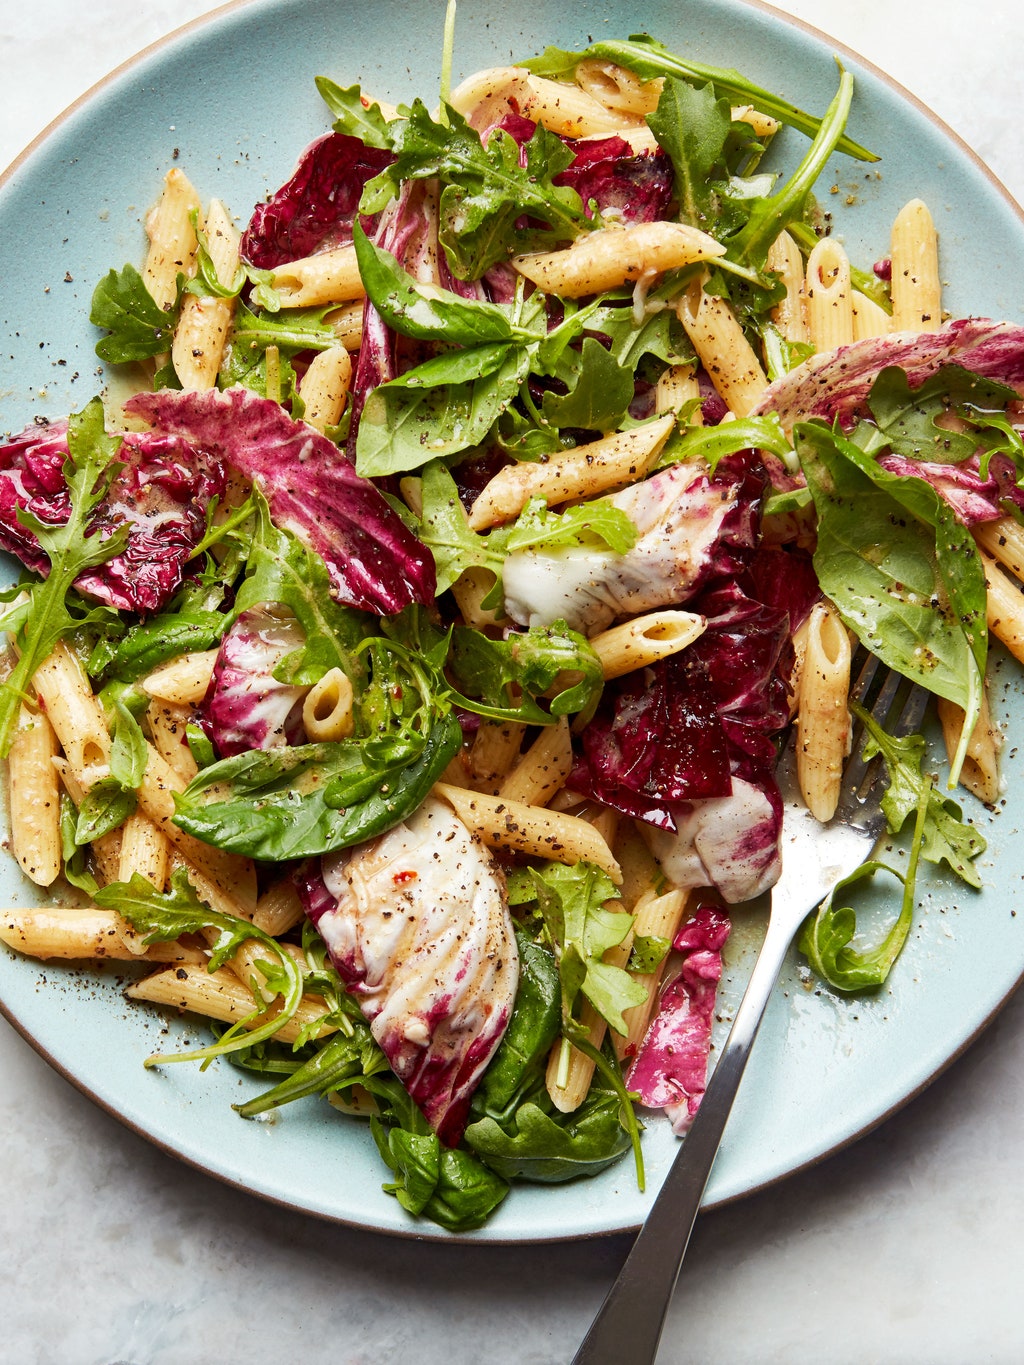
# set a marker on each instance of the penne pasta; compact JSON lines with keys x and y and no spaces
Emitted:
{"x":609,"y":257}
{"x":34,"y":798}
{"x":327,"y":709}
{"x":790,"y":314}
{"x":74,"y":932}
{"x":724,"y":351}
{"x":325,"y":386}
{"x":542,"y":770}
{"x":916,"y":288}
{"x":980,"y":772}
{"x":823,"y":719}
{"x":656,"y":917}
{"x":172,"y":238}
{"x":184,"y":681}
{"x":312,"y":281}
{"x":598,"y":467}
{"x":645,"y":640}
{"x":533,"y":831}
{"x":494,"y":752}
{"x":829,"y":296}
{"x":869,"y":318}
{"x":201,"y":334}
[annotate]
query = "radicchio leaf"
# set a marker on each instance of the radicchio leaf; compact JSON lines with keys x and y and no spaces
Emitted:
{"x":836,"y":386}
{"x":245,"y":706}
{"x":417,"y":925}
{"x":692,"y":528}
{"x":315,"y":209}
{"x":670,"y":1068}
{"x":373,"y":561}
{"x":161,"y":494}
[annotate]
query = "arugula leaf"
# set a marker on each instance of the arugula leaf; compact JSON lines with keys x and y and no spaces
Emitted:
{"x":691,"y":125}
{"x":443,"y":528}
{"x":916,"y":596}
{"x":137,"y":326}
{"x":73,"y":853}
{"x":647,"y":953}
{"x":597,"y":522}
{"x":339,"y":1061}
{"x":354,"y":115}
{"x":581,"y":929}
{"x":283,"y":569}
{"x":711,"y":444}
{"x":651,"y":59}
{"x":532,"y":661}
{"x":163,"y":916}
{"x":770,"y":215}
{"x":907,"y":417}
{"x":947,"y":837}
{"x":71,"y":549}
{"x":600,"y":390}
{"x":487,"y":189}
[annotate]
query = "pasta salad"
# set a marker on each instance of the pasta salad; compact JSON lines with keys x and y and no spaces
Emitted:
{"x":398,"y":675}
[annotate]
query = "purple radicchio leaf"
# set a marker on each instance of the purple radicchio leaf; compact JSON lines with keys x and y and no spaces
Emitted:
{"x":972,"y":498}
{"x":313,"y":490}
{"x":620,"y":183}
{"x":687,"y":747}
{"x":245,"y":706}
{"x":671,"y":1066}
{"x":692,"y":528}
{"x":837,"y":385}
{"x":161,"y":494}
{"x":315,"y":209}
{"x":417,"y":925}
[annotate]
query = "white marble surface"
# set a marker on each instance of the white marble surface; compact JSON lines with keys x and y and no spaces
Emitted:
{"x":905,"y":1248}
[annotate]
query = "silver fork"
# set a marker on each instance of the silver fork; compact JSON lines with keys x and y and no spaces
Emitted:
{"x":815,"y":858}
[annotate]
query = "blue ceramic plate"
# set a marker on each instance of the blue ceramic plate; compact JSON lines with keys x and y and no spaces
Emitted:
{"x":232,"y":101}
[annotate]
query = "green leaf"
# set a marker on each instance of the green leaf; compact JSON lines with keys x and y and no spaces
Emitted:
{"x":597,"y":522}
{"x":582,"y":929}
{"x":691,"y":126}
{"x":313,"y":798}
{"x":443,"y":528}
{"x":908,"y":417}
{"x":353,"y":115}
{"x":450,"y":1186}
{"x":947,"y":836}
{"x":533,"y":661}
{"x":712,"y":444}
{"x":549,"y":1147}
{"x":105,"y":807}
{"x":651,"y":59}
{"x":150,"y":643}
{"x":903,"y":572}
{"x":533,"y":1027}
{"x":137,"y":326}
{"x":162,"y":916}
{"x":70,"y":548}
{"x":647,"y":953}
{"x":600,"y":390}
{"x":487,"y":190}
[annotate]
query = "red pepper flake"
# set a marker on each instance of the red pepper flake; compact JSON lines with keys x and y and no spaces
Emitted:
{"x":403,"y":878}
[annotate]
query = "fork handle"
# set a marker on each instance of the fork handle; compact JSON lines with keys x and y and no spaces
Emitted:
{"x":629,"y":1323}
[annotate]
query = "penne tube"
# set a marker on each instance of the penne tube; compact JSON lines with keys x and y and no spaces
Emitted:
{"x":167,"y":724}
{"x":494,"y":752}
{"x":1003,"y":540}
{"x":184,"y":681}
{"x":724,"y":351}
{"x":327,"y":709}
{"x":869,"y":318}
{"x":915,"y":286}
{"x":980,"y":771}
{"x":346,"y":322}
{"x":470,"y":589}
{"x":34,"y":798}
{"x":597,"y":467}
{"x":143,"y":850}
{"x":608,"y":257}
{"x":656,"y":917}
{"x":1004,"y":607}
{"x":328,"y":277}
{"x":533,"y":831}
{"x":201,"y":334}
{"x":645,"y":640}
{"x":542,"y":770}
{"x":172,"y":238}
{"x":823,"y":717}
{"x":279,"y":908}
{"x":223,"y":996}
{"x":105,"y":851}
{"x":829,"y":296}
{"x":790,"y":313}
{"x":618,"y":88}
{"x":73,"y":932}
{"x":570,"y":1072}
{"x":676,"y":387}
{"x":325,"y":387}
{"x":75,"y":714}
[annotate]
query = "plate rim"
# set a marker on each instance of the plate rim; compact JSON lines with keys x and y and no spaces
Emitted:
{"x":429,"y":1232}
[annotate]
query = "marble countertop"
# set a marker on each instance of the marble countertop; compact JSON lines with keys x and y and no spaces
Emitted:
{"x":903,"y":1248}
